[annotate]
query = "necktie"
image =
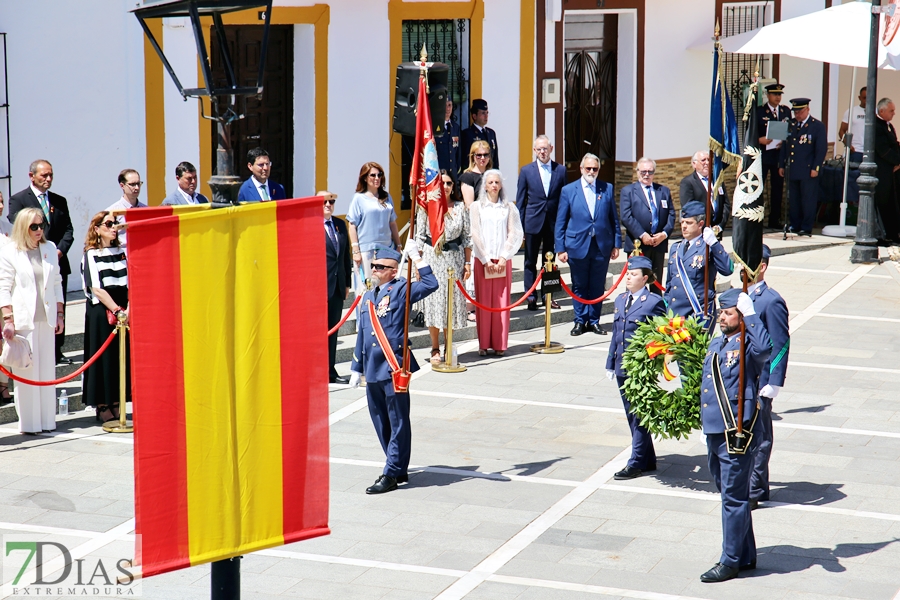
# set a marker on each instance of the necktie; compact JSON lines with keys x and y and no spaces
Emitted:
{"x":592,"y":194}
{"x":44,"y":205}
{"x":654,"y":210}
{"x":546,"y":178}
{"x":329,"y":227}
{"x":629,"y":302}
{"x":264,"y":193}
{"x":705,"y":181}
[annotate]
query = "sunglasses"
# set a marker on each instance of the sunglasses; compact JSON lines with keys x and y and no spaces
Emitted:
{"x":646,"y":172}
{"x":482,"y":155}
{"x":108,"y":224}
{"x":377,"y":267}
{"x":376,"y":175}
{"x":332,"y":201}
{"x":36,"y":226}
{"x":591,"y":169}
{"x":448,"y":183}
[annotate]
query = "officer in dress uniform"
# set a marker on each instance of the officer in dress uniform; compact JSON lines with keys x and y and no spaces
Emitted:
{"x":718,"y":414}
{"x":479,"y":130}
{"x":633,"y":306}
{"x":773,"y":110}
{"x":805,"y":151}
{"x":684,"y":280}
{"x":447,"y":145}
{"x":389,"y":409}
{"x":773,"y":312}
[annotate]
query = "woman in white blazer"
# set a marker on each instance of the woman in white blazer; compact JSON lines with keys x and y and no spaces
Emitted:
{"x":31,"y":306}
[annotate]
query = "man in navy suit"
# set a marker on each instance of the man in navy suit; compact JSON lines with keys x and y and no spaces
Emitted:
{"x":388,"y":408}
{"x":648,"y":215}
{"x":537,"y":198}
{"x":60,"y":230}
{"x":338,"y":271}
{"x":259,"y":188}
{"x":587,"y":234}
{"x":186,"y":193}
{"x":479,"y":130}
{"x":718,"y":414}
{"x":772,"y":110}
{"x":633,"y":306}
{"x":447,"y":145}
{"x":805,"y":150}
{"x":773,"y":312}
{"x":694,"y":187}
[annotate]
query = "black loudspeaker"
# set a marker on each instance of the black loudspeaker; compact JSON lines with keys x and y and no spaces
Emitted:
{"x":408,"y":90}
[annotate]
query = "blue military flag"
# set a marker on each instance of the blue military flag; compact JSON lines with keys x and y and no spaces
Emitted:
{"x":723,"y":130}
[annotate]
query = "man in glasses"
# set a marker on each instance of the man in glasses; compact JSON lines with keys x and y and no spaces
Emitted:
{"x":130,"y":182}
{"x":479,"y":130}
{"x":694,"y":187}
{"x":648,"y":215}
{"x":338,"y":270}
{"x":537,"y":198}
{"x":388,"y":408}
{"x":260,"y":188}
{"x":773,"y":110}
{"x":587,"y":237}
{"x":59,"y":224}
{"x":186,"y":192}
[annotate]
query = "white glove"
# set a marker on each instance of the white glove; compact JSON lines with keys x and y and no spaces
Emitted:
{"x":354,"y":379}
{"x":745,"y":305}
{"x":770,"y":391}
{"x":611,"y":375}
{"x":412,"y":250}
{"x":709,"y":236}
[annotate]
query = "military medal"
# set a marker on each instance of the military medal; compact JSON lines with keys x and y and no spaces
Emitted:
{"x":697,"y":261}
{"x":644,"y":297}
{"x":731,"y":357}
{"x":383,"y":306}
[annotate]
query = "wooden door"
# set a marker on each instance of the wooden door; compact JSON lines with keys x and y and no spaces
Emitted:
{"x":268,"y":122}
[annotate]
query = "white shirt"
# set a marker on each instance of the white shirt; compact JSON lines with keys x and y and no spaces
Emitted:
{"x":590,"y":195}
{"x":496,"y":233}
{"x":123,"y":204}
{"x":857,"y":127}
{"x":257,"y":184}
{"x":546,"y":175}
{"x":190,"y":199}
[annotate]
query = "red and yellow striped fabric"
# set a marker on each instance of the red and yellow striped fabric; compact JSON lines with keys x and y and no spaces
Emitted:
{"x":230,"y":378}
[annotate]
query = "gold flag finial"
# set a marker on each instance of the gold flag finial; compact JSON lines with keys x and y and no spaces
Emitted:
{"x":718,"y":29}
{"x":424,"y":54}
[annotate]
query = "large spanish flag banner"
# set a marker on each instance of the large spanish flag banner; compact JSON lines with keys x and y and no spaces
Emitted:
{"x":230,"y":381}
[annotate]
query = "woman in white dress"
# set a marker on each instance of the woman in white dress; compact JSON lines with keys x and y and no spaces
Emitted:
{"x":456,"y":254}
{"x":31,"y":306}
{"x":5,"y":232}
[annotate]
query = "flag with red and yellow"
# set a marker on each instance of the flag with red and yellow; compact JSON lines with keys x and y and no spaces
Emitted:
{"x":229,"y":375}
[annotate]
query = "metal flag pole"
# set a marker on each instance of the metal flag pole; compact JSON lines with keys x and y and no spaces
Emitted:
{"x":841,"y":229}
{"x":741,"y":376}
{"x":121,"y":426}
{"x":448,"y":366}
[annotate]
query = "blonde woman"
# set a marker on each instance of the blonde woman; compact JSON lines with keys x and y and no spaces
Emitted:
{"x":479,"y":162}
{"x":31,"y":306}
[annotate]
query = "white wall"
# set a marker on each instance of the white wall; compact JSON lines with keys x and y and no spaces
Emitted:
{"x":626,"y":87}
{"x":182,"y":134}
{"x":76,"y":99}
{"x":676,"y":81}
{"x":304,"y":111}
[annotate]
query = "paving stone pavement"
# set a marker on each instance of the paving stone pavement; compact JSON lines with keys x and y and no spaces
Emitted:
{"x":512,"y":497}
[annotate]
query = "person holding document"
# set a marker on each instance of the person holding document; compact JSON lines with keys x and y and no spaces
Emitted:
{"x":771,"y":111}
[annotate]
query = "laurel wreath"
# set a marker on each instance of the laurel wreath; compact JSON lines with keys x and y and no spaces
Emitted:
{"x":665,"y":414}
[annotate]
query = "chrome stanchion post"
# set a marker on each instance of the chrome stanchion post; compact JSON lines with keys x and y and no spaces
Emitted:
{"x":122,"y":425}
{"x":447,"y":366}
{"x":551,"y":271}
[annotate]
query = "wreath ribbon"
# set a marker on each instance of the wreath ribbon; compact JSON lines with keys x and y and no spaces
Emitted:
{"x":675,"y":328}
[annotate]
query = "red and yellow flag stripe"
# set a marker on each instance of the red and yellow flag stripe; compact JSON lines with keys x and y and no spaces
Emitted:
{"x":230,"y":381}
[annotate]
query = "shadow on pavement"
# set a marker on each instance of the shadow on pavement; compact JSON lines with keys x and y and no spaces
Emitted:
{"x":434,"y":476}
{"x":786,"y":558}
{"x":805,"y":409}
{"x":805,"y":492}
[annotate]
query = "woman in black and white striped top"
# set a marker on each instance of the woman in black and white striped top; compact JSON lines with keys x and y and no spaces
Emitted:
{"x":104,"y":277}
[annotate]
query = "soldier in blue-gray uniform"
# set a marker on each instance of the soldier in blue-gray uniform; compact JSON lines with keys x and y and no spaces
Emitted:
{"x":772,"y":110}
{"x":684,"y":280}
{"x":805,"y":150}
{"x":773,"y":311}
{"x":447,"y":145}
{"x":389,"y":409}
{"x":633,"y":306}
{"x":718,"y":414}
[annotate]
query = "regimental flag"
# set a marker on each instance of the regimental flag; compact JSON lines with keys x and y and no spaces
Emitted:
{"x":229,"y":381}
{"x":749,"y":205}
{"x":424,"y":176}
{"x":723,"y":131}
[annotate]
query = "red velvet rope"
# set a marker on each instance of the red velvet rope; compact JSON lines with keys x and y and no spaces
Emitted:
{"x":659,"y":286}
{"x":68,"y":377}
{"x":601,"y":298}
{"x":334,"y":329}
{"x":537,"y":280}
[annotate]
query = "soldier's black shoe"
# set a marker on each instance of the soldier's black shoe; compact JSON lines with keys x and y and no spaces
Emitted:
{"x":384,"y":483}
{"x":598,"y":329}
{"x":403,"y":478}
{"x":754,"y":504}
{"x":719,"y":573}
{"x":532,"y":304}
{"x":628,"y":473}
{"x":578,"y":329}
{"x":748,"y":567}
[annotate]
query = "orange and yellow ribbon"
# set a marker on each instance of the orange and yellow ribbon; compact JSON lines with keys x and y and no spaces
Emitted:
{"x":676,"y":329}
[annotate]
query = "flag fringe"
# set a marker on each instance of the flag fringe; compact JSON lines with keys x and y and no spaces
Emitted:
{"x":751,"y":273}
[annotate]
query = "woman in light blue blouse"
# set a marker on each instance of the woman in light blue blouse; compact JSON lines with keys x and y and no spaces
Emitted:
{"x":373,"y":222}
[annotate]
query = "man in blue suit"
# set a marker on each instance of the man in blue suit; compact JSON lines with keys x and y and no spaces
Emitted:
{"x":447,"y":145}
{"x":186,"y":193}
{"x":718,"y":414}
{"x":773,"y":311}
{"x":685,"y":277}
{"x":388,"y":408}
{"x":805,"y":151}
{"x":587,"y":234}
{"x":648,"y":215}
{"x":537,"y":198}
{"x":633,"y":306}
{"x":259,"y":188}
